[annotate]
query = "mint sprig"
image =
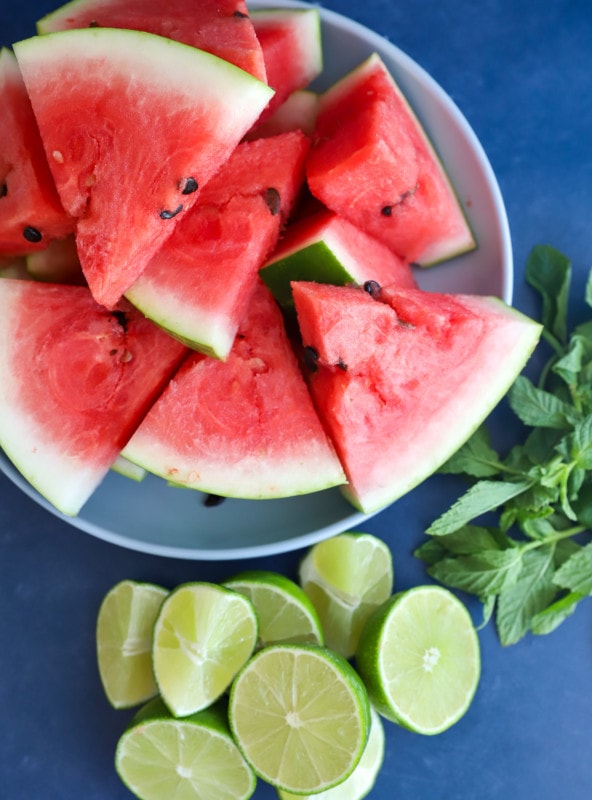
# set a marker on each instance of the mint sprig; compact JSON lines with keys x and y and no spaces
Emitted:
{"x":530,"y":557}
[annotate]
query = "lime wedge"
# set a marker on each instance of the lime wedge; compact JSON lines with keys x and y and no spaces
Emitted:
{"x":124,"y":642}
{"x":363,"y":778}
{"x":300,"y":715}
{"x":160,"y":756}
{"x":284,"y":611}
{"x":203,"y":635}
{"x":347,"y":577}
{"x":419,"y":658}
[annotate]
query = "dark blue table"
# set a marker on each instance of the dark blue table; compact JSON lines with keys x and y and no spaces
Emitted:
{"x":520,"y":72}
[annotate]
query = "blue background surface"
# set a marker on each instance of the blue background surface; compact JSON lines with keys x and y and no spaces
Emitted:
{"x":520,"y":73}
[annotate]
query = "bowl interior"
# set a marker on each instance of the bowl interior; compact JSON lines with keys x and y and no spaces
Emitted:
{"x":152,"y":517}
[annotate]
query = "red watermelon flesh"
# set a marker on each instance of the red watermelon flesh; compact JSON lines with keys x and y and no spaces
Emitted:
{"x":199,"y":284}
{"x":292,"y":50}
{"x":94,"y":91}
{"x":372,"y":162}
{"x":249,"y":428}
{"x":400,"y":383}
{"x":31,"y":214}
{"x":220,"y":27}
{"x":97,"y":371}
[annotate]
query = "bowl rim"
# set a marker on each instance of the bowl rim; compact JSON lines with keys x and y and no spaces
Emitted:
{"x":350,"y":521}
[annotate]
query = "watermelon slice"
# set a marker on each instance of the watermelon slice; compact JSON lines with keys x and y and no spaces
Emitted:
{"x":31,"y":214}
{"x":199,"y":284}
{"x":401,"y":384}
{"x":248,"y":428}
{"x":292,"y":49}
{"x":328,"y":249}
{"x":220,"y":27}
{"x":372,"y":162}
{"x":93,"y":91}
{"x":97,"y":372}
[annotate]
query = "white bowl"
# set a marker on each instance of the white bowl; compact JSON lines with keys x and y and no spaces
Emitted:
{"x":154,"y":518}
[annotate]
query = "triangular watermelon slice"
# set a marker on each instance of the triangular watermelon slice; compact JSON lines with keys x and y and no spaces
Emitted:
{"x":244,"y":427}
{"x":373,"y":163}
{"x":199,"y":284}
{"x":31,"y":215}
{"x":132,"y":124}
{"x":75,"y":381}
{"x":401,"y":382}
{"x":220,"y":27}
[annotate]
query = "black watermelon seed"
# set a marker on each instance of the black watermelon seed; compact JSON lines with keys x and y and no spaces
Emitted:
{"x":342,"y":365}
{"x":170,"y":214}
{"x":121,"y":318}
{"x":241,"y":15}
{"x":386,"y":211}
{"x":3,"y":190}
{"x":311,"y":358}
{"x":188,"y":185}
{"x":212,"y":500}
{"x":32,"y":234}
{"x":373,"y":288}
{"x":93,"y":24}
{"x":273,"y":200}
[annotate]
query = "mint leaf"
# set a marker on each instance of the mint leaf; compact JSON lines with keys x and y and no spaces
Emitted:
{"x":577,"y":356}
{"x":488,"y":609}
{"x":484,"y":573}
{"x":530,"y":593}
{"x":581,"y":449}
{"x":483,"y":496}
{"x":476,"y":457}
{"x":575,"y":574}
{"x":538,"y":408}
{"x":549,"y":271}
{"x":551,"y":617}
{"x":430,"y":552}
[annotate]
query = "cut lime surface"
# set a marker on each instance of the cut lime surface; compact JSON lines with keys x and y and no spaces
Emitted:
{"x":124,"y":642}
{"x":347,"y":577}
{"x":363,"y":778}
{"x":300,"y":714}
{"x":419,"y":658}
{"x":285,"y":613}
{"x":203,"y":635}
{"x":160,"y":756}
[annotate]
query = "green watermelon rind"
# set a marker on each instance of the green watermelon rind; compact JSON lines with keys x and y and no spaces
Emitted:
{"x":61,"y":47}
{"x":314,"y":261}
{"x":257,"y":479}
{"x":209,"y":333}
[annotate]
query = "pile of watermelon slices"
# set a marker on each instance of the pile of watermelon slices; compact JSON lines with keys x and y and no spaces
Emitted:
{"x":209,"y":269}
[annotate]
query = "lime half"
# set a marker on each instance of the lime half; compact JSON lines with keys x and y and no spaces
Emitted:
{"x":124,"y":642}
{"x":419,"y":658}
{"x":160,"y":756}
{"x":300,"y":714}
{"x":363,"y":778}
{"x":203,"y":635}
{"x":347,"y":577}
{"x":285,"y":613}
